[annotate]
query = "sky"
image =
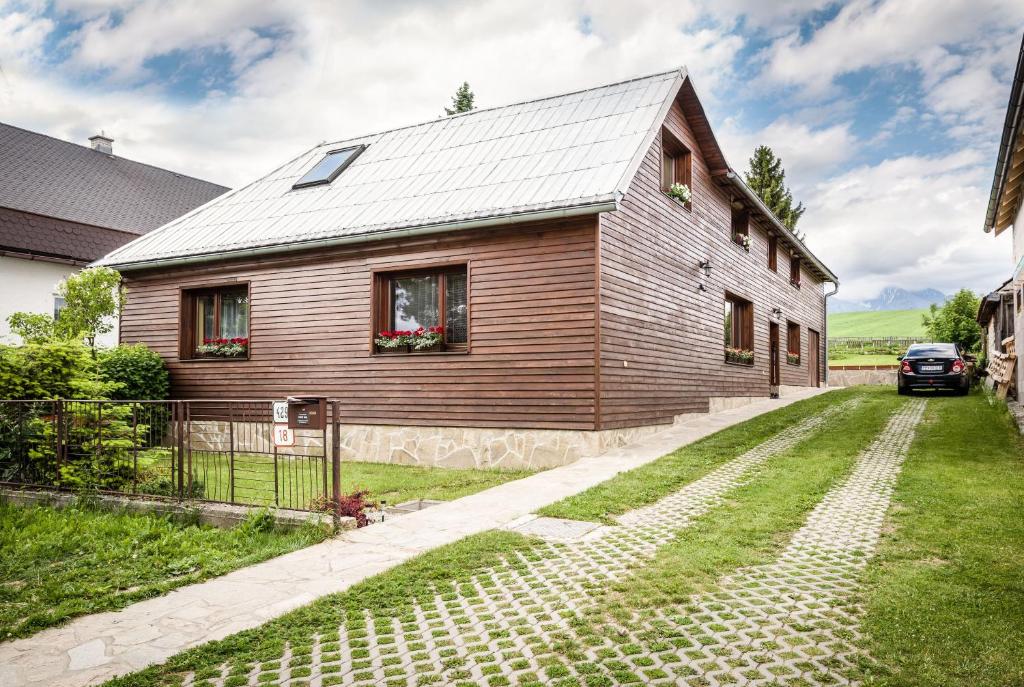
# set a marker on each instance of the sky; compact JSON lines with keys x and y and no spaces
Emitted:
{"x":887,"y":114}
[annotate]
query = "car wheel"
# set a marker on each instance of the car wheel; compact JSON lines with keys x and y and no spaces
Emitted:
{"x":962,"y":391}
{"x":902,"y":391}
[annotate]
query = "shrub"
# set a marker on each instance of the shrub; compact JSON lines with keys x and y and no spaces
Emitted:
{"x":353,"y":505}
{"x":48,"y":370}
{"x":32,"y":327}
{"x":139,"y":372}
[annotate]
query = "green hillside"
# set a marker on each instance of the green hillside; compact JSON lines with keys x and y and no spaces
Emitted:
{"x":881,"y":323}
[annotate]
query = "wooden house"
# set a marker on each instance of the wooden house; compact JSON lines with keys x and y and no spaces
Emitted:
{"x":580,"y":303}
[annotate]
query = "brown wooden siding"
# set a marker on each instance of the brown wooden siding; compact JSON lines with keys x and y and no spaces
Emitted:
{"x":661,"y":339}
{"x":532,"y":321}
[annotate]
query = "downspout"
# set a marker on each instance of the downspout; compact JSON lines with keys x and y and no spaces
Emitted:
{"x":824,"y":319}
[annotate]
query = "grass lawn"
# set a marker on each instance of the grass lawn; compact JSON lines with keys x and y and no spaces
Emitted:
{"x":300,"y":480}
{"x":58,"y":564}
{"x":879,"y":323}
{"x":865,"y":359}
{"x":945,"y":595}
{"x":650,"y":482}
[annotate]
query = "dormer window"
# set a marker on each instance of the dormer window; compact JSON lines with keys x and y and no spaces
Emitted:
{"x":330,"y":166}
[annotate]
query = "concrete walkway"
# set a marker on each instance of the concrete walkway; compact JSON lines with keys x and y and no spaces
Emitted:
{"x":98,"y":647}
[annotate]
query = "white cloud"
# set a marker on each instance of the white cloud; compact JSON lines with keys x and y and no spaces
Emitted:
{"x":807,"y":153}
{"x":340,"y":69}
{"x":910,"y":221}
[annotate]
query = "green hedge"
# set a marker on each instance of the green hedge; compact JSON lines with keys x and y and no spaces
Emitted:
{"x":140,"y":372}
{"x":63,"y":369}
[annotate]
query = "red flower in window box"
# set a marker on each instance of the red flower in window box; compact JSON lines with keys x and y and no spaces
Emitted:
{"x":221,"y":347}
{"x":422,"y":340}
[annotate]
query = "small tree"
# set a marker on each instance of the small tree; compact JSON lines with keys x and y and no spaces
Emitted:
{"x":462,"y":101}
{"x":32,"y":327}
{"x":955,"y":321}
{"x":92,"y":298}
{"x":767,"y":179}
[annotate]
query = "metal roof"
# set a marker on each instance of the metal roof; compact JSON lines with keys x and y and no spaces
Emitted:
{"x":565,"y":154}
{"x":54,"y":178}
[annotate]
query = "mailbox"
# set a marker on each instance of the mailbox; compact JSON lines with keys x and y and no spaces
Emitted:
{"x":307,"y":412}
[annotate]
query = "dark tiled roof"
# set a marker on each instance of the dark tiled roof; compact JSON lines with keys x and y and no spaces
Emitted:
{"x":46,"y":176}
{"x":46,"y":237}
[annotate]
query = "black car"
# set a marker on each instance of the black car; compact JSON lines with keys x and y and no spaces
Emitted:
{"x":933,"y":366}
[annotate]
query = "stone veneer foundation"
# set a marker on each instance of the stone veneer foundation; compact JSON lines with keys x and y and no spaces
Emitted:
{"x":450,"y":447}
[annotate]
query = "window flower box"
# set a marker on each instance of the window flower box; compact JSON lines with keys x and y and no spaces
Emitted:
{"x":236,"y":347}
{"x":422,"y":340}
{"x":742,"y":240}
{"x":739,"y":356}
{"x":680,"y":192}
{"x":793,"y":358}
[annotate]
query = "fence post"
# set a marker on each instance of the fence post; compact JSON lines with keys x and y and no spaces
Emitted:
{"x":180,"y":412}
{"x":58,"y":439}
{"x":335,"y":458}
{"x":231,"y":451}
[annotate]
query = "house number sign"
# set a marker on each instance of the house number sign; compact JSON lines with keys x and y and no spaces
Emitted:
{"x":284,"y":436}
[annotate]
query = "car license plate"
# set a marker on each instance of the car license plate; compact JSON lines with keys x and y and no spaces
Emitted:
{"x":931,"y":368}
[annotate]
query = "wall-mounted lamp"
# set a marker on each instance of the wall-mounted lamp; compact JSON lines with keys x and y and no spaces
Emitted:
{"x":705,"y":267}
{"x":777,"y":313}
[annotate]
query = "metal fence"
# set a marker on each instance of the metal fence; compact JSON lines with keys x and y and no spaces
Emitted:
{"x":202,"y":450}
{"x":883,"y":344}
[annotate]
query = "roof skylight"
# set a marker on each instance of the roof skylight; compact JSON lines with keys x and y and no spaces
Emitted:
{"x":328,"y":169}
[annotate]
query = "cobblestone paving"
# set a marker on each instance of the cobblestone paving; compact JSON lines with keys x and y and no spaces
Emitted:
{"x":516,"y":624}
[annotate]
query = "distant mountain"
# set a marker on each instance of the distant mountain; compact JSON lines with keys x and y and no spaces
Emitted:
{"x":890,"y":298}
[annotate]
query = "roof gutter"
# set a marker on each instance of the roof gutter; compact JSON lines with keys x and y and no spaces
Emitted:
{"x":756,"y":200}
{"x":1010,"y":128}
{"x":421,"y":230}
{"x":824,"y":320}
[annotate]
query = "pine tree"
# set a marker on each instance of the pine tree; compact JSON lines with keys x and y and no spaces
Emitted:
{"x":767,"y":179}
{"x":462,"y":101}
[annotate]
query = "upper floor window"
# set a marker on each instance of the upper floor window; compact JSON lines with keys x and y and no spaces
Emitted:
{"x":794,"y":271}
{"x":675,"y":168}
{"x":422,"y":310}
{"x":773,"y":253}
{"x":741,"y":227}
{"x":739,"y":330}
{"x":215,"y":322}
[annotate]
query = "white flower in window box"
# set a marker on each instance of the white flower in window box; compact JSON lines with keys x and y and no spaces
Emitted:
{"x":680,"y":192}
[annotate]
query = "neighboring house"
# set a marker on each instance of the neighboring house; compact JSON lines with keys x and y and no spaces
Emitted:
{"x":1005,"y":201}
{"x":63,"y":206}
{"x":581,"y":304}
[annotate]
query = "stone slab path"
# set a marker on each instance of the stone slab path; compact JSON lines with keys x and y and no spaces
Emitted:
{"x":95,"y":648}
{"x":521,"y":622}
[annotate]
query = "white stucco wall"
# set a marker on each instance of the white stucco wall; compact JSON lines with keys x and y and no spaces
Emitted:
{"x":29,"y":286}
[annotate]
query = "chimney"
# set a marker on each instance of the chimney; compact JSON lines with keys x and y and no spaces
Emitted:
{"x":102,"y":143}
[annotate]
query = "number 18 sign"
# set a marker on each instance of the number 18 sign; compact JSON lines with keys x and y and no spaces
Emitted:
{"x":283,"y":436}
